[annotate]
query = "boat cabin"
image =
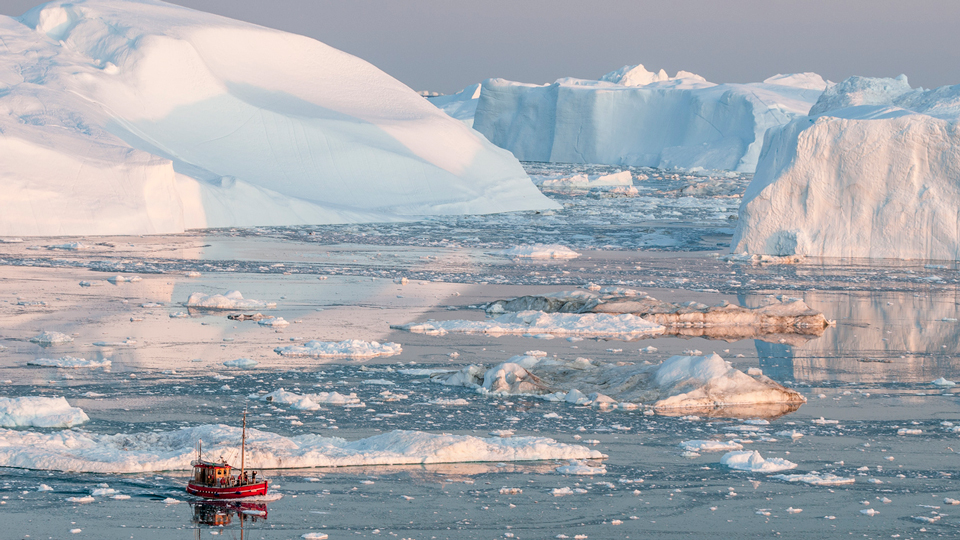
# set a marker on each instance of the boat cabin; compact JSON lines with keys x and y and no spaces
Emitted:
{"x":209,"y":473}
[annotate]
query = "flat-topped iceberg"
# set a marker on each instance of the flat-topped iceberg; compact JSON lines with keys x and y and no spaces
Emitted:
{"x":872,"y":172}
{"x":174,"y":450}
{"x":44,"y":412}
{"x":128,"y":117}
{"x":634,"y":117}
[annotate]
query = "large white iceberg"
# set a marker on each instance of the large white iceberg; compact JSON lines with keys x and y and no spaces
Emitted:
{"x":634,"y":117}
{"x":125,"y":117}
{"x":872,"y":172}
{"x":174,"y":450}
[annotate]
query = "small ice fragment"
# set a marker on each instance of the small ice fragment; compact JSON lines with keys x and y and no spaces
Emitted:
{"x":241,"y":363}
{"x":869,"y":512}
{"x":943,"y":382}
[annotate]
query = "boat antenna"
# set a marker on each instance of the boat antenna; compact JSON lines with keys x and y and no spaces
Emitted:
{"x":243,"y":442}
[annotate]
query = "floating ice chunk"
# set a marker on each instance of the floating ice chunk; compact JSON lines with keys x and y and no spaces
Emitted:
{"x":314,"y":536}
{"x":81,"y":500}
{"x":68,"y":362}
{"x":179,"y":315}
{"x":228,"y":300}
{"x":823,"y":421}
{"x":349,"y":348}
{"x":560,"y":492}
{"x":710,"y":446}
{"x":309,"y":402}
{"x":869,"y":512}
{"x":51,"y":338}
{"x":943,"y":382}
{"x":241,"y":363}
{"x":103,"y":492}
{"x":815,"y":479}
{"x":458,"y":402}
{"x":510,"y":491}
{"x":537,"y":322}
{"x":539,"y":251}
{"x":908,"y":431}
{"x":70,"y":246}
{"x":44,"y":487}
{"x":174,"y":450}
{"x":45,"y":412}
{"x":793,"y":434}
{"x":192,"y":274}
{"x":584,"y":182}
{"x":748,"y":460}
{"x":124,"y":279}
{"x":579,"y":468}
{"x":276,"y":322}
{"x":115,"y":343}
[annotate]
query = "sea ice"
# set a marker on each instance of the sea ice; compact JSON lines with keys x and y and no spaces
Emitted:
{"x":309,"y":402}
{"x":275,"y":322}
{"x":681,"y":384}
{"x":51,"y":338}
{"x":68,"y":362}
{"x":539,"y":251}
{"x":174,"y":450}
{"x":228,"y":300}
{"x":45,"y":412}
{"x":710,"y":446}
{"x":242,"y":363}
{"x":349,"y":348}
{"x":751,"y":460}
{"x":816,"y":479}
{"x":624,"y":326}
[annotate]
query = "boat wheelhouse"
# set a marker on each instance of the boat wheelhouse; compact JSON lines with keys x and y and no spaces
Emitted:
{"x":215,"y":480}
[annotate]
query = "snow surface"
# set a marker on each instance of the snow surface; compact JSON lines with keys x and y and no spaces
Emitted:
{"x":228,"y":300}
{"x":537,"y":322}
{"x":705,"y":383}
{"x":124,"y":117}
{"x":44,"y":412}
{"x":635,"y":117}
{"x":871,"y":173}
{"x":348,"y":348}
{"x":68,"y":362}
{"x":174,"y":450}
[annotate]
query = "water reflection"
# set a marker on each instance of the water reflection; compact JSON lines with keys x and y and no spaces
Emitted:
{"x":886,"y":337}
{"x":222,"y":513}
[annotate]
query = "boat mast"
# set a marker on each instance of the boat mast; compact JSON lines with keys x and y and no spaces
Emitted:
{"x":243,"y":442}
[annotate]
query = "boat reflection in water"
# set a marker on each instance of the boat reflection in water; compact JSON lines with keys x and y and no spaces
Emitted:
{"x":223,"y":513}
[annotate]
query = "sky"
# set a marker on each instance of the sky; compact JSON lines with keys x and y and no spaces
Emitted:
{"x":445,"y":45}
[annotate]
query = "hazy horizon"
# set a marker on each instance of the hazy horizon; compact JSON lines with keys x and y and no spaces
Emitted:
{"x":438,"y":46}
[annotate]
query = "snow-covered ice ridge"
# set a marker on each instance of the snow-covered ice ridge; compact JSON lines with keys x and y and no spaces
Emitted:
{"x":164,"y":118}
{"x":635,"y":117}
{"x":872,"y":172}
{"x":707,"y":384}
{"x":174,"y":450}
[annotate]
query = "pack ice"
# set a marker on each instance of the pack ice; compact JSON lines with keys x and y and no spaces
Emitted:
{"x":635,"y":117}
{"x":872,"y":172}
{"x":126,"y":117}
{"x":173,"y":450}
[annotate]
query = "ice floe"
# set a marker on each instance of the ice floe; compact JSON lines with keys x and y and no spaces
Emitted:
{"x":681,"y":384}
{"x":309,"y":402}
{"x":580,"y":468}
{"x":228,"y":300}
{"x":241,"y":363}
{"x":710,"y":446}
{"x":68,"y":362}
{"x":274,"y":322}
{"x":539,"y":251}
{"x":751,"y":460}
{"x":51,"y":338}
{"x":532,"y":322}
{"x":349,"y":348}
{"x":174,"y":450}
{"x":776,"y":318}
{"x":45,"y":412}
{"x":815,"y":479}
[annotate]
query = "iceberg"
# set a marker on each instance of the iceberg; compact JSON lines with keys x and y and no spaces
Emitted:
{"x":44,"y":412}
{"x":140,"y":117}
{"x":635,"y":117}
{"x":871,"y":172}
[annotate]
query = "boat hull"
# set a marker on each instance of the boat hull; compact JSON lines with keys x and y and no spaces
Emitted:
{"x":234,"y":492}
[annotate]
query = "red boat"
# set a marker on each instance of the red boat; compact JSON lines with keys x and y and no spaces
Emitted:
{"x":213,"y":480}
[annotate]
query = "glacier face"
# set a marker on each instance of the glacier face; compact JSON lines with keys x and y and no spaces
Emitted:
{"x":138,"y":117}
{"x":873,"y":172}
{"x":634,"y":117}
